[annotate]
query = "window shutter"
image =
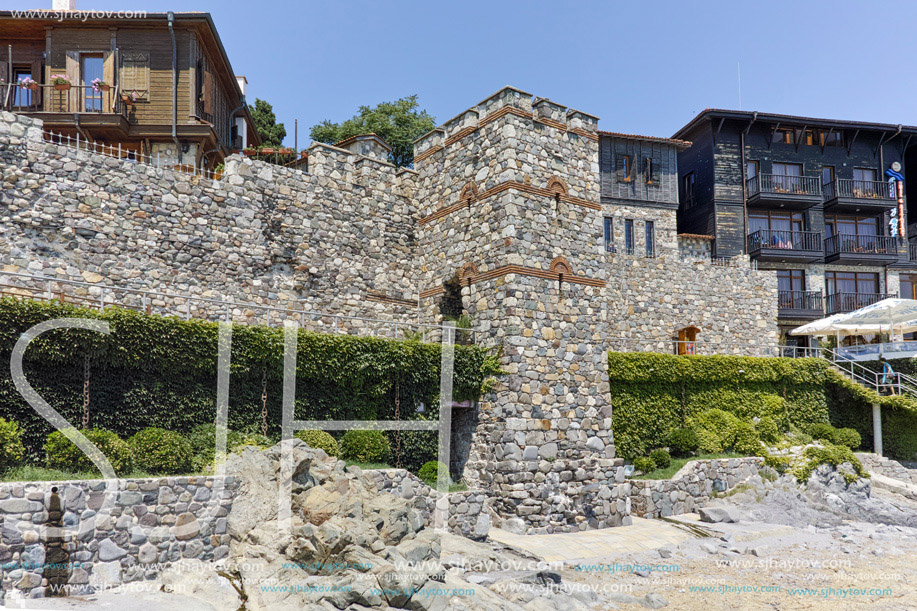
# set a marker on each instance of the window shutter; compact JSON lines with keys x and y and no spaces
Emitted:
{"x":8,"y":90}
{"x":620,"y":167}
{"x":73,"y":74}
{"x":208,"y":92}
{"x":108,"y":76}
{"x":39,"y":77}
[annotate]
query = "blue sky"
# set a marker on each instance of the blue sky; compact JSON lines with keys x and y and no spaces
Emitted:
{"x":643,"y":67}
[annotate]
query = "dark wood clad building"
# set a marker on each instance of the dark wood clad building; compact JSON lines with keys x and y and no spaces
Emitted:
{"x":159,"y":84}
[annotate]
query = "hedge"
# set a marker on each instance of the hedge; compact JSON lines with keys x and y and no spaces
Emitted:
{"x":155,"y":371}
{"x":653,"y":394}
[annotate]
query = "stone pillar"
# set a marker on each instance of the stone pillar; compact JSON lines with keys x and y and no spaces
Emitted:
{"x":877,"y":428}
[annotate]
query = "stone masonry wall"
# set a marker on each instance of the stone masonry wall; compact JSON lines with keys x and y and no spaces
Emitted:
{"x":48,"y":525}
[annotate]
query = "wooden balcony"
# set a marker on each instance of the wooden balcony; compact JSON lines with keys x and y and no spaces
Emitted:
{"x":97,"y":113}
{"x":870,"y":196}
{"x":787,"y":192}
{"x":848,"y":302}
{"x":849,"y":249}
{"x":808,"y":305}
{"x":785,"y":246}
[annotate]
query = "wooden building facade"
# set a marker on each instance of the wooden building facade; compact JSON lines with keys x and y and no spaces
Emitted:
{"x":160,"y":84}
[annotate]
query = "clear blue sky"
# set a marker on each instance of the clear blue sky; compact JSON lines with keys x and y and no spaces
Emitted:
{"x":643,"y":67}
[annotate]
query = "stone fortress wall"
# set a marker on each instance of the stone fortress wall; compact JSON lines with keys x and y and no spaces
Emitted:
{"x":510,"y":194}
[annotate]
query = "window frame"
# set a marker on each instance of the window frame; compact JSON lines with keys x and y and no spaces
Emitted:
{"x":688,"y":187}
{"x":649,"y":235}
{"x":609,"y":230}
{"x":629,"y":246}
{"x":627,"y":171}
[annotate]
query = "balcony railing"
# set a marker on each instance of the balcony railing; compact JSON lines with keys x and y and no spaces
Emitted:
{"x":848,"y":302}
{"x":48,"y":98}
{"x":912,"y":251}
{"x":783,"y":185}
{"x":811,"y":301}
{"x":860,"y":244}
{"x":858,"y":189}
{"x":784,"y":240}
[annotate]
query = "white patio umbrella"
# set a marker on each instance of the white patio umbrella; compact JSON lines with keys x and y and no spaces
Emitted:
{"x":823,"y":327}
{"x":888,"y":314}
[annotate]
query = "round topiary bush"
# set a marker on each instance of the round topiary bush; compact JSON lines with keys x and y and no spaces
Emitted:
{"x":644,"y":464}
{"x":683,"y":441}
{"x":821,"y":431}
{"x":746,"y":440}
{"x":11,"y":448}
{"x":61,"y":453}
{"x":364,"y":446}
{"x":847,"y":437}
{"x":321,"y":440}
{"x":429,"y":473}
{"x":661,"y":458}
{"x":717,"y":423}
{"x":203,"y":440}
{"x":768,"y":430}
{"x":160,"y":451}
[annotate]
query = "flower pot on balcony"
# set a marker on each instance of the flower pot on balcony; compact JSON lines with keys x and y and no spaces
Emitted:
{"x":267,"y":151}
{"x":62,"y":86}
{"x":33,"y":87}
{"x":127,"y":99}
{"x":284,"y":151}
{"x":249,"y":152}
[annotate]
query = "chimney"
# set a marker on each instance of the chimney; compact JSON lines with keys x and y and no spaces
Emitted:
{"x":64,"y":5}
{"x":243,"y":82}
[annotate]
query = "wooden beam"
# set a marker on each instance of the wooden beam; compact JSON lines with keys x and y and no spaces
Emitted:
{"x":830,"y":131}
{"x":771,"y":139}
{"x":718,"y":128}
{"x":802,"y":132}
{"x":852,"y":140}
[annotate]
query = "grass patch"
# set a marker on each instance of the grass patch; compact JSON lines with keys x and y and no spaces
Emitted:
{"x":42,"y":474}
{"x":368,"y":466}
{"x":678,"y":463}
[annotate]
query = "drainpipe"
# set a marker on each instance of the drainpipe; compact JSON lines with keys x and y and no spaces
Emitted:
{"x":231,"y":117}
{"x":171,"y":17}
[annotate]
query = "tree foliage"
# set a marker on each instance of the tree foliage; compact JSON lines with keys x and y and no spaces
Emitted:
{"x":271,"y":132}
{"x":399,"y":123}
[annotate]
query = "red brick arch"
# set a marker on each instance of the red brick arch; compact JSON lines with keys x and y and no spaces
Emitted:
{"x":557,"y":186}
{"x":467,"y":272}
{"x":469,"y":193}
{"x":561,"y":266}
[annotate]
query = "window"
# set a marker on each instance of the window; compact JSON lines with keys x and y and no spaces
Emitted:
{"x":810,"y":137}
{"x":861,"y":283}
{"x":22,"y":97}
{"x":791,"y":280}
{"x":90,"y":70}
{"x":827,"y":174}
{"x":609,"y":234}
{"x":751,"y":169}
{"x":774,"y":220}
{"x":787,"y":178}
{"x":837,"y":224}
{"x":648,"y":170}
{"x":135,"y":72}
{"x":625,"y":168}
{"x":785,"y":135}
{"x":650,"y":233}
{"x":908,"y":286}
{"x":687,"y":188}
{"x":831,"y":138}
{"x":629,"y":236}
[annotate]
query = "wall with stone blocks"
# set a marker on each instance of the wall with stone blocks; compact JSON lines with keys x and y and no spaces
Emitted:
{"x":691,"y":487}
{"x":147,"y":522}
{"x":337,"y":239}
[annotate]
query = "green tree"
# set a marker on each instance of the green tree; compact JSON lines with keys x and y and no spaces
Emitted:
{"x":271,"y":132}
{"x":398,"y":123}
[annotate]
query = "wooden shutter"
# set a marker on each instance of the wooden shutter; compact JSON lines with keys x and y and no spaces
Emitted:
{"x":73,"y":73}
{"x":208,"y":92}
{"x":108,"y":76}
{"x":8,"y":90}
{"x":39,"y":77}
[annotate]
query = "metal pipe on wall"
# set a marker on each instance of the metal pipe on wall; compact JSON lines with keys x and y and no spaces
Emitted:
{"x":171,"y":17}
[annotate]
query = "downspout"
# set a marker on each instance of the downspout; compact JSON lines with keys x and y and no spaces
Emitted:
{"x":171,"y":17}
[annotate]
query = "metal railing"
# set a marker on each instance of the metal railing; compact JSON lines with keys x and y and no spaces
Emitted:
{"x":798,"y":352}
{"x":782,"y":184}
{"x":129,"y":155}
{"x":912,"y":251}
{"x":891,"y":383}
{"x":858,"y":189}
{"x":100,"y":296}
{"x":784,"y":240}
{"x":72,"y":99}
{"x":848,"y":302}
{"x":687,"y":347}
{"x":800,"y":300}
{"x":861,"y":244}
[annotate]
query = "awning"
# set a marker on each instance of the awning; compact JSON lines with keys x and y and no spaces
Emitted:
{"x":895,"y":315}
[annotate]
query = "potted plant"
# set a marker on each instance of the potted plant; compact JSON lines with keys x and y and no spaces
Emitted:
{"x":284,"y":151}
{"x":129,"y":98}
{"x":266,"y":150}
{"x":28,"y":83}
{"x":60,"y":82}
{"x":100,"y":85}
{"x":250,"y":152}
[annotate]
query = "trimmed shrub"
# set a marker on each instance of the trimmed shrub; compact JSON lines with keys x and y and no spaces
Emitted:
{"x":321,"y":440}
{"x":644,"y":464}
{"x":203,"y":440}
{"x":417,"y":448}
{"x":682,"y":441}
{"x":160,"y":451}
{"x":661,"y":458}
{"x":746,"y":440}
{"x":61,"y":453}
{"x":846,"y":437}
{"x":11,"y":449}
{"x":722,"y":425}
{"x":709,"y":442}
{"x":821,"y":431}
{"x":833,"y":455}
{"x":429,"y":473}
{"x":767,"y":430}
{"x":364,"y":446}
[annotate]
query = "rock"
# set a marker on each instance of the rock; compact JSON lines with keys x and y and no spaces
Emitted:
{"x":186,"y":527}
{"x":709,"y":548}
{"x":147,"y":553}
{"x":106,"y":573}
{"x":653,"y":601}
{"x":718,"y":514}
{"x":514,"y":525}
{"x":109,"y":550}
